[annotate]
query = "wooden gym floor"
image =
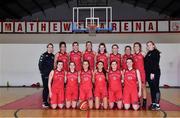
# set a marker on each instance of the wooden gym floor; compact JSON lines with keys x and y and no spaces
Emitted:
{"x":26,"y":102}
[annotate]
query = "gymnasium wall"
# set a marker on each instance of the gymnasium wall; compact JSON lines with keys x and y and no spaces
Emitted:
{"x":19,"y":53}
{"x":120,"y":11}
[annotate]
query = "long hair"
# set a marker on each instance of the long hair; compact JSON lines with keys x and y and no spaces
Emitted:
{"x":153,"y":44}
{"x":112,"y":62}
{"x":62,"y":43}
{"x":140,"y":46}
{"x":90,"y":43}
{"x":103,"y":70}
{"x":102,"y":44}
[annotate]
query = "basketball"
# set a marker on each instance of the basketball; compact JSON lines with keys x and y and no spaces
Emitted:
{"x":83,"y":105}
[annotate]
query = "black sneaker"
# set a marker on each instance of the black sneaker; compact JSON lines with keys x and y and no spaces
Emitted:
{"x":45,"y":105}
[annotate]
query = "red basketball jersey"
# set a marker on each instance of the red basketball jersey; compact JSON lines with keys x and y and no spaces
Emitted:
{"x":58,"y":80}
{"x":100,"y":79}
{"x":103,"y":57}
{"x":124,"y":58}
{"x":76,"y":58}
{"x":90,"y":56}
{"x":64,"y":58}
{"x":72,"y":79}
{"x":117,"y":58}
{"x":86,"y":79}
{"x":130,"y":79}
{"x":138,"y":61}
{"x":114,"y":78}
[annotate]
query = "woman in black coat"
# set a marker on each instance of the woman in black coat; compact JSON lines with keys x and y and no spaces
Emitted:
{"x":151,"y":63}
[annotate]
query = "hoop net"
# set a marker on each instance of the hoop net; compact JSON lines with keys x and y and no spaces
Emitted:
{"x":92,"y":29}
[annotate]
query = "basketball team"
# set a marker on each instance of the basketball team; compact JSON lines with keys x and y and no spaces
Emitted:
{"x":102,"y":80}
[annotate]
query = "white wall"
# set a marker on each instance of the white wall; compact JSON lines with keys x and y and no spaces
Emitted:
{"x":19,"y":62}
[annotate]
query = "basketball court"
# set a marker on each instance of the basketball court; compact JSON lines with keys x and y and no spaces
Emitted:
{"x":27,"y":26}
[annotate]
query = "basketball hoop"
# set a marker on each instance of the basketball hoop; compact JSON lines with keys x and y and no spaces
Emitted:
{"x":92,"y":30}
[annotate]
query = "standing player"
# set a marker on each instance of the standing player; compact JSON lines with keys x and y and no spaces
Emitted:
{"x":100,"y":92}
{"x":86,"y":76}
{"x":46,"y":62}
{"x":71,"y":86}
{"x":76,"y":56}
{"x":115,"y":87}
{"x":127,"y":54}
{"x":115,"y":55}
{"x":131,"y":92}
{"x":62,"y":56}
{"x":56,"y":86}
{"x":138,"y":57}
{"x":102,"y":55}
{"x":89,"y":55}
{"x":153,"y":73}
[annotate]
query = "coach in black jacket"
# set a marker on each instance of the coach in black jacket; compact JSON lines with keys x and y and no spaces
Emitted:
{"x":151,"y":62}
{"x":46,"y":62}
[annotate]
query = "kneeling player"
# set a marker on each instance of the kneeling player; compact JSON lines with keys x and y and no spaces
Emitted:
{"x":131,"y":93}
{"x":86,"y":84}
{"x":56,"y":86}
{"x":115,"y":87}
{"x":71,"y":86}
{"x":100,"y":92}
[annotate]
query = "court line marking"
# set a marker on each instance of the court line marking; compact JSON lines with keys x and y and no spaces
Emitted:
{"x":16,"y":112}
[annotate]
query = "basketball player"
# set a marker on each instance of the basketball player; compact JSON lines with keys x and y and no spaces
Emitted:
{"x":131,"y":91}
{"x":62,"y":56}
{"x":89,"y":55}
{"x":138,"y":57}
{"x":56,"y":86}
{"x":115,"y":87}
{"x":71,"y":86}
{"x":100,"y":92}
{"x":115,"y":55}
{"x":127,"y":54}
{"x":102,"y":55}
{"x":86,"y":76}
{"x":76,"y":56}
{"x":46,"y":62}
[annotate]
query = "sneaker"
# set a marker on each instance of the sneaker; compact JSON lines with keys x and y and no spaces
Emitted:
{"x":45,"y":105}
{"x":153,"y":107}
{"x":158,"y":107}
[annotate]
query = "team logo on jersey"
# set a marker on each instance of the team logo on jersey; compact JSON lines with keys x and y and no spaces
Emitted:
{"x":85,"y":79}
{"x":88,"y":57}
{"x":114,"y":78}
{"x":129,"y":78}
